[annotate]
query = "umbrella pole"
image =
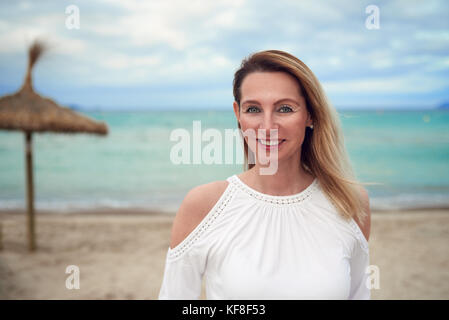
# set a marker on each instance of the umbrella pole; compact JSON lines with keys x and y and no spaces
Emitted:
{"x":30,"y":190}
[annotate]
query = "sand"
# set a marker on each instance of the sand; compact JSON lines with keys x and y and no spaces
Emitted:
{"x":121,"y":254}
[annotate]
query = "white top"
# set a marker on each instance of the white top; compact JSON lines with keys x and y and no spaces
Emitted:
{"x":257,"y":246}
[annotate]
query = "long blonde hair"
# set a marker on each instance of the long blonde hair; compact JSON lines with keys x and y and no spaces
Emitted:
{"x":323,"y":150}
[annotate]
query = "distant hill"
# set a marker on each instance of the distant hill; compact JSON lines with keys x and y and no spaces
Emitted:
{"x":75,"y":107}
{"x":444,"y":105}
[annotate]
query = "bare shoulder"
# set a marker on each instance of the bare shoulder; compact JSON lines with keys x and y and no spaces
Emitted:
{"x":366,"y":226}
{"x":196,"y":205}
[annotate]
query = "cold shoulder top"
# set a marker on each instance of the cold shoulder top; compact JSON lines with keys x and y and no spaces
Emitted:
{"x":253,"y":245}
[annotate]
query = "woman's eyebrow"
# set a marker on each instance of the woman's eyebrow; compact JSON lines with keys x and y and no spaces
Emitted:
{"x":278,"y":101}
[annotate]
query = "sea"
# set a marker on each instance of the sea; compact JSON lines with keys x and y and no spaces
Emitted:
{"x":149,"y":159}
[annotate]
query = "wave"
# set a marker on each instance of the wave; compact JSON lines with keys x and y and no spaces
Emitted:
{"x":383,"y":203}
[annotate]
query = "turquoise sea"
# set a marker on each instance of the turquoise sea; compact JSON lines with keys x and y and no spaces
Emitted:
{"x":407,"y":152}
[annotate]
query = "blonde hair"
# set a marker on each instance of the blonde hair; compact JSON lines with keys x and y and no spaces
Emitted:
{"x":323,"y":150}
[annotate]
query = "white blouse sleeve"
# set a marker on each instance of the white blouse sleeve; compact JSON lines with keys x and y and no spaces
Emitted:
{"x":185,"y":264}
{"x":359,"y":263}
{"x":183,"y":275}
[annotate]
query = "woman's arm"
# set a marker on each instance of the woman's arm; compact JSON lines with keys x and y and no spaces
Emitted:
{"x":360,"y":257}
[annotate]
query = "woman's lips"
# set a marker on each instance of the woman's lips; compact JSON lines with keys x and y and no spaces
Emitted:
{"x":268,"y":146}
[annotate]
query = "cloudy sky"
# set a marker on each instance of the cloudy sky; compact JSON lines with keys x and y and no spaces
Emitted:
{"x":182,"y":54}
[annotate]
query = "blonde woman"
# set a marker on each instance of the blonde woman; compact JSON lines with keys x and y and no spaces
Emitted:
{"x":300,"y":232}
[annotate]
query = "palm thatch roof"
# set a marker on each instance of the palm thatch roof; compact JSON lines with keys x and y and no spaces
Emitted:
{"x":28,"y":111}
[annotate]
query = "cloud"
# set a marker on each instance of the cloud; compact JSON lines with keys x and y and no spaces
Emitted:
{"x":176,"y":24}
{"x":199,"y":44}
{"x":398,"y":84}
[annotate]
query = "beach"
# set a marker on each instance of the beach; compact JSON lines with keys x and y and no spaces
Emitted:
{"x":121,"y":254}
{"x":106,"y":129}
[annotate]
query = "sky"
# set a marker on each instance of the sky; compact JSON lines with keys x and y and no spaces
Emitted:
{"x":176,"y":54}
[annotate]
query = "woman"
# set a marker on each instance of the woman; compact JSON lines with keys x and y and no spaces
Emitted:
{"x":295,"y":233}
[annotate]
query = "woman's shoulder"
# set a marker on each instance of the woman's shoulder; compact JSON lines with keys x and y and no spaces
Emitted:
{"x":197,"y":203}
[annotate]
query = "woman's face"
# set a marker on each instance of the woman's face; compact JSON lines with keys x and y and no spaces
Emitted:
{"x":272,"y":100}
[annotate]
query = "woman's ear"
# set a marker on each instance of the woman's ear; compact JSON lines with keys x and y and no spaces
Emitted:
{"x":309,"y":121}
{"x":236,"y":110}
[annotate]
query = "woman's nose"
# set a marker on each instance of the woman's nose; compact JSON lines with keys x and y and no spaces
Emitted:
{"x":269,"y":123}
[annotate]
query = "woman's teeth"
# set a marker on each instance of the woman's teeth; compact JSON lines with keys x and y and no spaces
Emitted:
{"x":270,"y":142}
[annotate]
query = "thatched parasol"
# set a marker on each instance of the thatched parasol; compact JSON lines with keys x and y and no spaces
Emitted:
{"x":28,"y":111}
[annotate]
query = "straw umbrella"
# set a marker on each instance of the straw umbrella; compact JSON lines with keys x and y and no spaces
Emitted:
{"x":29,"y":112}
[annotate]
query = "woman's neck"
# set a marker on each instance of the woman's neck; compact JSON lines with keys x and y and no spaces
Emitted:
{"x":286,"y":180}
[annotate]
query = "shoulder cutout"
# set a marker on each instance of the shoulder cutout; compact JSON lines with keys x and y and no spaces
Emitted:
{"x":196,"y":205}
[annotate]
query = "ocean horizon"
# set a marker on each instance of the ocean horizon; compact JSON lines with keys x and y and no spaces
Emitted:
{"x":405,"y":151}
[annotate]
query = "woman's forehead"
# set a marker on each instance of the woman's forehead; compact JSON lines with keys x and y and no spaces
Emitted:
{"x":269,"y":86}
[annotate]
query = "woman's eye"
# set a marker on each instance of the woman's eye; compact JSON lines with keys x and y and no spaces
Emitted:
{"x":285,"y":109}
{"x":252,"y":109}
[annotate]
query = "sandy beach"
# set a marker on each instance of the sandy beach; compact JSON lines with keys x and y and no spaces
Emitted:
{"x":121,"y":254}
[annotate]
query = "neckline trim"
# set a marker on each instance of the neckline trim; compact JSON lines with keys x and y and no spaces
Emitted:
{"x":288,"y":199}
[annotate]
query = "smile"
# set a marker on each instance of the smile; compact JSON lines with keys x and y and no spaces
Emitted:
{"x":270,"y":143}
